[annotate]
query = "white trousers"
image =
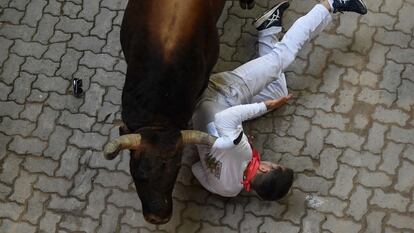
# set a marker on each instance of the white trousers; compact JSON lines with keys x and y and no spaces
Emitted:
{"x":262,"y":78}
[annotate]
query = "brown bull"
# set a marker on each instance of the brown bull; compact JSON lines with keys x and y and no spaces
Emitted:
{"x":170,"y":47}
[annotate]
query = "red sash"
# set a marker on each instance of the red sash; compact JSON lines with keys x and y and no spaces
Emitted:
{"x":251,"y":169}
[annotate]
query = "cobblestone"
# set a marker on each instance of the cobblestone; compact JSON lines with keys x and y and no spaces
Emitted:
{"x":348,"y":133}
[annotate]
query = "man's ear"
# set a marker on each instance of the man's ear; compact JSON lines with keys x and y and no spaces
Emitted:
{"x":263,"y":168}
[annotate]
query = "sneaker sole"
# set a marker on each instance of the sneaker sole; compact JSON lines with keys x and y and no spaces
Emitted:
{"x":365,"y":7}
{"x":264,"y":17}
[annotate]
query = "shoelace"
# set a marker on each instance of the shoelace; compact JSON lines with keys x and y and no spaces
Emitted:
{"x":273,"y":18}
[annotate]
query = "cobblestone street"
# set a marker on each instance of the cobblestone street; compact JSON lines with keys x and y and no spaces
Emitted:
{"x":348,"y":133}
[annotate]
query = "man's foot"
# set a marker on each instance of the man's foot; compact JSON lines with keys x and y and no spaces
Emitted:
{"x":357,"y":6}
{"x":272,"y":18}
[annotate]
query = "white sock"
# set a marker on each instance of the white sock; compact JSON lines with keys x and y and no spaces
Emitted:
{"x":331,"y":3}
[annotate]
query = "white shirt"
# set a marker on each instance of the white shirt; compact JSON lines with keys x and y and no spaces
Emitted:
{"x":220,"y":169}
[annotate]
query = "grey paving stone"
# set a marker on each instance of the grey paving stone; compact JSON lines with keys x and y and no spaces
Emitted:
{"x":409,"y":152}
{"x":71,"y":9}
{"x":34,"y":12}
{"x":24,"y":49}
{"x":109,"y":79}
{"x":379,"y":20}
{"x":401,"y":221}
{"x":82,"y":184}
{"x":93,"y":100}
{"x":331,"y":78}
{"x":104,"y":18}
{"x":359,"y":203}
{"x":11,"y":67}
{"x":16,"y":127}
{"x":331,"y":41}
{"x":47,"y":84}
{"x":340,"y":226}
{"x":315,"y":141}
{"x":98,"y":60}
{"x":297,"y":163}
{"x":211,"y":228}
{"x":89,"y":10}
{"x":344,"y":139}
{"x":368,"y":78}
{"x":10,"y":169}
{"x":405,"y":178}
{"x":46,"y":123}
{"x":76,"y":121}
{"x":284,"y":144}
{"x":348,"y":25}
{"x":374,"y":221}
{"x":299,"y":127}
{"x":330,"y":120}
{"x":109,"y":220}
{"x":113,"y":95}
{"x":9,"y":108}
{"x":57,"y":142}
{"x":45,"y":29}
{"x":390,"y":157}
{"x":49,"y":222}
{"x":34,"y":207}
{"x":312,"y":221}
{"x":37,"y":96}
{"x":83,"y":43}
{"x":400,"y":55}
{"x":405,"y":13}
{"x":60,"y":36}
{"x":114,"y":5}
{"x":377,"y":57}
{"x":96,"y":202}
{"x":87,"y":140}
{"x":40,"y":66}
{"x":360,"y":159}
{"x":95,"y":159}
{"x":347,"y":59}
{"x":270,"y":225}
{"x":55,"y":51}
{"x":113,"y":179}
{"x":4,"y":192}
{"x":392,"y":201}
{"x":330,"y":205}
{"x":28,"y":145}
{"x":390,"y":116}
{"x":376,"y":96}
{"x":40,"y":164}
{"x":69,"y":25}
{"x":23,"y":32}
{"x":296,"y":207}
{"x":22,"y":188}
{"x":107,"y":112}
{"x":113,"y":44}
{"x":76,"y":223}
{"x":4,"y":91}
{"x":66,"y":204}
{"x":31,"y":111}
{"x":5,"y":45}
{"x":396,"y":38}
{"x":69,"y":63}
{"x":22,"y":86}
{"x":60,"y":102}
{"x":53,"y":185}
{"x":391,"y":76}
{"x":343,"y":182}
{"x":69,"y":162}
{"x":328,"y":162}
{"x":373,"y":179}
{"x":320,"y":101}
{"x":376,"y":138}
{"x":209,"y":214}
{"x":346,"y":99}
{"x":53,"y":7}
{"x":312,"y":184}
{"x":11,"y":15}
{"x":404,"y":95}
{"x":9,"y":226}
{"x":363,"y":39}
{"x":360,"y":121}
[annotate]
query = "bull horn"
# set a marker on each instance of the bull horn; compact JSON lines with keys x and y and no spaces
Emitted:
{"x":197,"y":137}
{"x":128,"y":141}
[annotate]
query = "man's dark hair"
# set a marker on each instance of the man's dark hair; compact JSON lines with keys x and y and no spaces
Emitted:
{"x":274,"y":184}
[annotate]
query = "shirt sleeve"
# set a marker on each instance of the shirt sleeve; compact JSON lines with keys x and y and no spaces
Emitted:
{"x":229,"y":122}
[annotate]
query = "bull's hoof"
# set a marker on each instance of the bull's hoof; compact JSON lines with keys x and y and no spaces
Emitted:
{"x":247,"y":5}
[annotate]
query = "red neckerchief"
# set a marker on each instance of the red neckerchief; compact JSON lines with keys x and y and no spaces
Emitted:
{"x":251,"y":168}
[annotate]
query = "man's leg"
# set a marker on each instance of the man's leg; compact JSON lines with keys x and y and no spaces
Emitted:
{"x":255,"y":75}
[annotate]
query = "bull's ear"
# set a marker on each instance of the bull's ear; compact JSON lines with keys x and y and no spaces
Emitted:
{"x":123,"y":129}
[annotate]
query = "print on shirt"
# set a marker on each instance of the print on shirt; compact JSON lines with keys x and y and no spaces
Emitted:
{"x":213,"y":165}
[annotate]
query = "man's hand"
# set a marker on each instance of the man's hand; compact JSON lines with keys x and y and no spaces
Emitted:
{"x":276,"y":103}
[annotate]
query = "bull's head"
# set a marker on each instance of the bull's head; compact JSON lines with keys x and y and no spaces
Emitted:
{"x":247,"y":4}
{"x":154,"y":165}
